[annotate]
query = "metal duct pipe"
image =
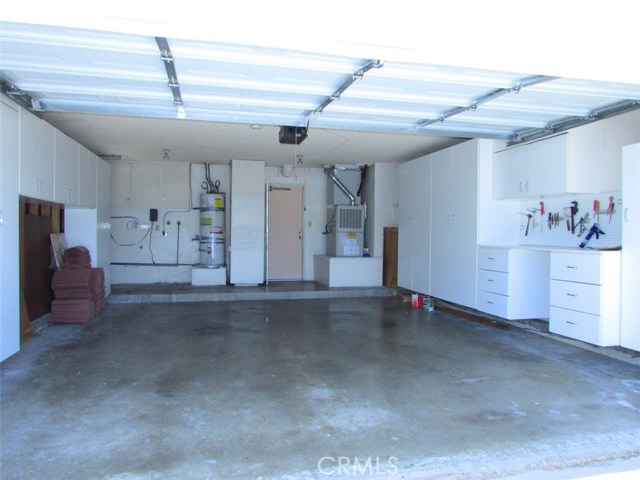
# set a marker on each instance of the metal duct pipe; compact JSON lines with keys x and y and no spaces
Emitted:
{"x":340,"y":185}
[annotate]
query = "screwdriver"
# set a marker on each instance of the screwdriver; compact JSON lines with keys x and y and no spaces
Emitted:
{"x":596,"y":210}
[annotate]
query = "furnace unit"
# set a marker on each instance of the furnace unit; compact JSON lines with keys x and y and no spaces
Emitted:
{"x":346,"y":231}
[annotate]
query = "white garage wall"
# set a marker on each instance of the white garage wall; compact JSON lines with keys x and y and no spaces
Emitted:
{"x":162,"y":249}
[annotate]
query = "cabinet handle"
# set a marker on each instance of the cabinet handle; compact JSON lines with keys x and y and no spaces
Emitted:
{"x":489,"y":279}
{"x":572,"y":267}
{"x":571,"y":295}
{"x":526,"y":185}
{"x":571,"y":323}
{"x":489,"y":302}
{"x":520,"y":187}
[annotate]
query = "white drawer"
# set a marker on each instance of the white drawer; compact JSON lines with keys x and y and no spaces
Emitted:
{"x":493,"y":259}
{"x":576,"y":267}
{"x":496,"y":282}
{"x":582,"y":297}
{"x":578,"y":325}
{"x":493,"y":303}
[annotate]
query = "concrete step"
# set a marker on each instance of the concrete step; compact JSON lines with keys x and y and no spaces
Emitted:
{"x":172,"y":293}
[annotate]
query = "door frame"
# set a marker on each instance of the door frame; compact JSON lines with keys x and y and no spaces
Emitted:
{"x":289,"y":186}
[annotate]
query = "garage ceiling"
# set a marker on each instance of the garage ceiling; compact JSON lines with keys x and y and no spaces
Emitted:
{"x":148,"y":98}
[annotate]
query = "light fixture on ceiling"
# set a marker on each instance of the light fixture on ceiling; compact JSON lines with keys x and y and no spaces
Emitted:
{"x":255,"y":126}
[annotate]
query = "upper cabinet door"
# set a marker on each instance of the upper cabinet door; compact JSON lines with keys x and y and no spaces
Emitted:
{"x":36,"y":157}
{"x":414,"y":224}
{"x":619,"y":132}
{"x":546,"y":167}
{"x":87,"y":181}
{"x":175,"y":185}
{"x":120,"y":184}
{"x":146,"y":185}
{"x":509,"y":173}
{"x":66,"y":170}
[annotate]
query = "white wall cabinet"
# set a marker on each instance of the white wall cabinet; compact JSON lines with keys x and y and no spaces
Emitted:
{"x":446,"y":208}
{"x":246,"y":248}
{"x":36,"y":157}
{"x":619,"y":131}
{"x":66,"y":169}
{"x":87,"y":179}
{"x":584,"y":296}
{"x":414,"y":225}
{"x":454,"y":223}
{"x":513,"y":283}
{"x":9,"y":240}
{"x":146,"y":185}
{"x":630,"y":300}
{"x":175,"y":185}
{"x":566,"y":163}
{"x":121,"y":184}
{"x":150,"y":185}
{"x":586,"y":159}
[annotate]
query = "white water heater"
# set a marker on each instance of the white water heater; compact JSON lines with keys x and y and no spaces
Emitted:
{"x":212,"y":230}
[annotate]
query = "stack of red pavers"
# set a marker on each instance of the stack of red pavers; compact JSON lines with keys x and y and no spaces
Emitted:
{"x":78,"y":289}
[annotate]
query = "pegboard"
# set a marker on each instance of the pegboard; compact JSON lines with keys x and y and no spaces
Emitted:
{"x":559,"y":235}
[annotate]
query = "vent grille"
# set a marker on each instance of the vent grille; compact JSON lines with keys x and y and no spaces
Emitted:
{"x":350,"y":218}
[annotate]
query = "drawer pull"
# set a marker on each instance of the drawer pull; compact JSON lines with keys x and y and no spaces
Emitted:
{"x":489,"y":302}
{"x":489,"y":279}
{"x":571,"y":323}
{"x":571,"y":295}
{"x":572,"y":267}
{"x":490,"y":258}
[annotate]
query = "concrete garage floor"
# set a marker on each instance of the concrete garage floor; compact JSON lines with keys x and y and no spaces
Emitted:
{"x":332,"y":388}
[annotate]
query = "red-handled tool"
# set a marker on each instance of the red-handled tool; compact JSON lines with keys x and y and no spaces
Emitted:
{"x":610,"y":208}
{"x":596,"y":210}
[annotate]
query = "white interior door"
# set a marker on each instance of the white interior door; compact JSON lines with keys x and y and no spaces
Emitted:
{"x":284,"y":247}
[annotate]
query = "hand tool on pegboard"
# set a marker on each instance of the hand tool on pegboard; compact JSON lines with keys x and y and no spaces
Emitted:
{"x":594,"y":230}
{"x":574,"y":212}
{"x":610,"y":208}
{"x":526,"y":232}
{"x":581,"y":227}
{"x":541,"y":215}
{"x":596,"y":210}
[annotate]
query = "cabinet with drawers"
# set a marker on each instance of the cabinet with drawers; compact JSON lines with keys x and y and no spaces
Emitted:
{"x":513,"y":283}
{"x":584,"y":296}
